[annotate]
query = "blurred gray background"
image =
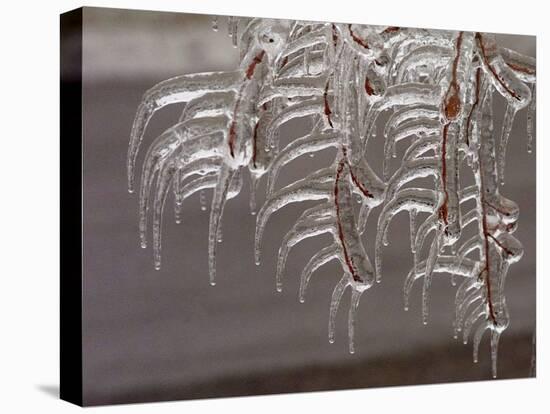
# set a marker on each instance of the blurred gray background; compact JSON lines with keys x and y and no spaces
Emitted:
{"x":159,"y":335}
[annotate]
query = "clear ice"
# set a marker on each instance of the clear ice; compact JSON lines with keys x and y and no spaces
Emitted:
{"x":437,"y":88}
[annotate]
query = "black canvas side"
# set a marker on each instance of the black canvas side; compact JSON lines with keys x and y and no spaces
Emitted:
{"x":71,"y":206}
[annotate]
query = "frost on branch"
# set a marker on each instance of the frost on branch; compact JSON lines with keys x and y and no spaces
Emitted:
{"x":429,"y":91}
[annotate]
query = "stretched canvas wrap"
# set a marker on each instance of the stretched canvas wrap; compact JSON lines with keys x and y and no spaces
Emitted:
{"x":259,"y":206}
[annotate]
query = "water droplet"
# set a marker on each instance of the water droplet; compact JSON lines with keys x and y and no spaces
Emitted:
{"x":202,"y":200}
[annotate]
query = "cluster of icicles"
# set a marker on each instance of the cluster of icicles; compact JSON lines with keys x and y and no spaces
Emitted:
{"x":437,"y":88}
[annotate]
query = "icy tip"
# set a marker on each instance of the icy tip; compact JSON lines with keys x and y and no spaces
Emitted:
{"x":131,"y":190}
{"x":279,"y":289}
{"x":178,"y":221}
{"x":253,"y":213}
{"x":331,"y":340}
{"x":212,"y":283}
{"x":257,"y":262}
{"x":203,"y":208}
{"x":406,"y":308}
{"x":143,"y":245}
{"x":424,"y":322}
{"x":302,"y":300}
{"x":157,"y":266}
{"x":352,"y":351}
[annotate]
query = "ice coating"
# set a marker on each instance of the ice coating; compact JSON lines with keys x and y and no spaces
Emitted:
{"x":436,"y":88}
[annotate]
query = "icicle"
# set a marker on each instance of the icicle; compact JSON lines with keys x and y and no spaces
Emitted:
{"x":424,"y":229}
{"x":477,"y":339}
{"x":363,"y":217}
{"x":412,"y":223}
{"x":378,"y":257}
{"x":334,"y":304}
{"x":215,"y":26}
{"x":154,"y":160}
{"x":355,"y":297}
{"x":216,"y":211}
{"x":453,"y":253}
{"x":495,"y":336}
{"x":386,"y":162}
{"x":506,"y":129}
{"x":430,"y":264}
{"x":253,"y":187}
{"x":478,"y":312}
{"x":322,"y":257}
{"x":177,"y":201}
{"x":165,"y":180}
